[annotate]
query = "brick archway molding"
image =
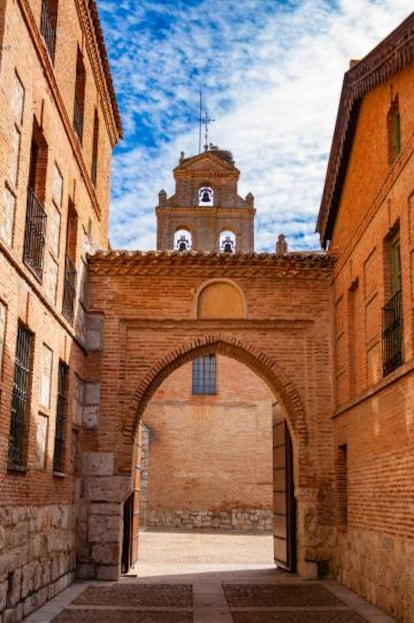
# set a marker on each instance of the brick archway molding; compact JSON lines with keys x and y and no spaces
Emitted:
{"x":106,"y":492}
{"x":265,"y":367}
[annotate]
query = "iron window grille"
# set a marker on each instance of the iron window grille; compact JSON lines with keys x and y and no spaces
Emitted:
{"x":59,"y":450}
{"x":34,"y":239}
{"x":48,"y":29}
{"x":392,"y":334}
{"x":69,"y":290}
{"x":204,"y":375}
{"x":78,"y":119}
{"x":94,"y":169}
{"x":20,"y":397}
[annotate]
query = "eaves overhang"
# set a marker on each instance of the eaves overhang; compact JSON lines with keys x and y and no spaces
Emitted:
{"x":392,"y":55}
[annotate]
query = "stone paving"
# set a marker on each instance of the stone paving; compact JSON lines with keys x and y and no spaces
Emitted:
{"x":207,"y":578}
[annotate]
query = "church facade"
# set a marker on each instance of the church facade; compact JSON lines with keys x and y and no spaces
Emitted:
{"x":329,"y":334}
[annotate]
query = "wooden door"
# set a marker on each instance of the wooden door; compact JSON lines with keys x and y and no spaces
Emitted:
{"x":284,"y":507}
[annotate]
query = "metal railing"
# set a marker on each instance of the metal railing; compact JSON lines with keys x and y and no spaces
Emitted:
{"x":59,"y":454}
{"x":34,"y":237}
{"x":78,"y":119}
{"x":20,"y":398}
{"x":69,"y":290}
{"x":48,"y":29}
{"x":392,"y":334}
{"x":94,"y":169}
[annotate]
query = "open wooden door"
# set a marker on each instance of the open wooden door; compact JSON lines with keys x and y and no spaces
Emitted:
{"x":284,"y":506}
{"x":127,"y":534}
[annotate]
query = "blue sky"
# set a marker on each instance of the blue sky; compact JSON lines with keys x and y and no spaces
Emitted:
{"x":270,"y":72}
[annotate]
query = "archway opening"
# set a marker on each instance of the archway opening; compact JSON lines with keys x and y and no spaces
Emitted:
{"x":183,"y":240}
{"x":214,"y":460}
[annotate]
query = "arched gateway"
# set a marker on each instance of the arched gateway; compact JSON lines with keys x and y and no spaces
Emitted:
{"x":146,"y":321}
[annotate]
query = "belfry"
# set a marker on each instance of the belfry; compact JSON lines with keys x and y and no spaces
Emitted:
{"x":206,"y":213}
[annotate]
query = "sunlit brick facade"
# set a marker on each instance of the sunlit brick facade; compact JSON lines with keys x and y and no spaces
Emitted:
{"x":367,"y":217}
{"x":54,"y":89}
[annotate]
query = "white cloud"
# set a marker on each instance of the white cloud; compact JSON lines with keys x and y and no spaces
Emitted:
{"x":272,"y":79}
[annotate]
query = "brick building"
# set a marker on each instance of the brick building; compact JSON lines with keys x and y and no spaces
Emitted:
{"x":367,"y":219}
{"x":328,"y":333}
{"x":202,"y":419}
{"x":58,"y":124}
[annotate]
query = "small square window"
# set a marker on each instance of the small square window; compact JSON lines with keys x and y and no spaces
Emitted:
{"x":204,"y":375}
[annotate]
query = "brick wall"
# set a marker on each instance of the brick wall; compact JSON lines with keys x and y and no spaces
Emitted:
{"x":38,"y":504}
{"x":374,"y":410}
{"x":221,"y":447}
{"x":148,"y":305}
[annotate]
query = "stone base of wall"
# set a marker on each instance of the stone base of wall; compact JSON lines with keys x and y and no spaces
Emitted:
{"x":248,"y":519}
{"x":378,"y":567}
{"x":37,"y":558}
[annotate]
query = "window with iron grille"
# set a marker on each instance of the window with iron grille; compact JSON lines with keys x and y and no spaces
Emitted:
{"x":59,"y":451}
{"x":79,"y":101}
{"x":48,"y":22}
{"x":69,"y":288}
{"x":394,"y":130}
{"x":204,"y":375}
{"x":35,"y":229}
{"x":20,"y":398}
{"x":95,"y":143}
{"x":341,"y":465}
{"x":392,"y":319}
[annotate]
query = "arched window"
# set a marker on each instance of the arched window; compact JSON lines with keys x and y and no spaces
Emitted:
{"x":205,"y":196}
{"x":183,"y":240}
{"x":227,"y":242}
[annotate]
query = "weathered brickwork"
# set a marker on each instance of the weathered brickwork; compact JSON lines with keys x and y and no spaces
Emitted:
{"x":324,"y":332}
{"x":284,"y":337}
{"x":221,"y":445}
{"x":371,"y":235}
{"x":203,"y":222}
{"x":39,"y":450}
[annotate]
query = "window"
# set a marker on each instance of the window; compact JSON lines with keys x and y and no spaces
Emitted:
{"x":20,"y":398}
{"x":392,"y":320}
{"x":2,"y":333}
{"x":342,"y":486}
{"x":79,"y":102}
{"x":69,"y":287}
{"x":59,"y":454}
{"x":394,"y":130}
{"x":34,"y":241}
{"x":95,"y":143}
{"x":48,"y":22}
{"x":204,"y":375}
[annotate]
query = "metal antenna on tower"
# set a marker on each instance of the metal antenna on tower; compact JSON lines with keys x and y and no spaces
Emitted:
{"x":206,"y":122}
{"x":200,"y":124}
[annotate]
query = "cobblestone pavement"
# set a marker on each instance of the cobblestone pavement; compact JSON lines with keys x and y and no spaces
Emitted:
{"x":188,"y":577}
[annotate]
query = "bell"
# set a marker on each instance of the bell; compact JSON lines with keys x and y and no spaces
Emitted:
{"x":206,"y":197}
{"x":227,"y":247}
{"x":182,"y":244}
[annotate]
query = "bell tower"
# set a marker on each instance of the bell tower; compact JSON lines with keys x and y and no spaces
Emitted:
{"x":205,"y":213}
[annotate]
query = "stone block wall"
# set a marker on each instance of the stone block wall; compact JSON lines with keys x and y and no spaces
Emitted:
{"x":242,"y":519}
{"x":38,"y":556}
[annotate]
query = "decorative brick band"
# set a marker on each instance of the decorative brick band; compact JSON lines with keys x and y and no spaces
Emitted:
{"x":228,"y":345}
